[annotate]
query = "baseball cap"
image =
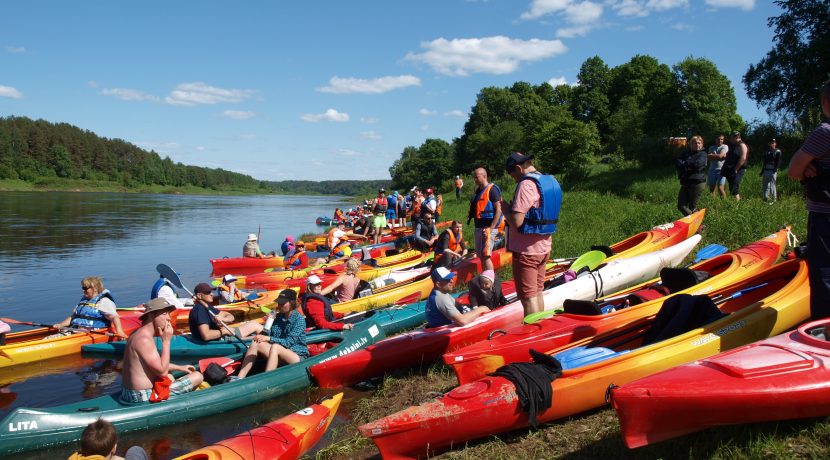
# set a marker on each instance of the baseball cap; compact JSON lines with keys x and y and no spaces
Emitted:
{"x":516,"y":158}
{"x":228,"y":278}
{"x":736,"y":133}
{"x":313,"y":279}
{"x":252,"y":237}
{"x":286,"y":295}
{"x":159,"y":303}
{"x":203,"y":288}
{"x":442,"y":274}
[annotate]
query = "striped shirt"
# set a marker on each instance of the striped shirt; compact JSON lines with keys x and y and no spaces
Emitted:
{"x":817,"y":146}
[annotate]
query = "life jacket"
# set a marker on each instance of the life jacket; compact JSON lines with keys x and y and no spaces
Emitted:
{"x":154,"y":292}
{"x":87,"y":316}
{"x":416,"y":207}
{"x":330,"y":237}
{"x":542,"y":220}
{"x":454,"y":244}
{"x":484,"y":208}
{"x":327,"y":312}
{"x":343,"y":249}
{"x":440,"y":205}
{"x":434,"y":317}
{"x":294,"y":259}
{"x":425,"y":232}
{"x":380,"y":205}
{"x":236,"y":295}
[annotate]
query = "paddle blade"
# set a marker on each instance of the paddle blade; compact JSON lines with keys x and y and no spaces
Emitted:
{"x":172,"y":276}
{"x":591,"y":259}
{"x":710,"y":251}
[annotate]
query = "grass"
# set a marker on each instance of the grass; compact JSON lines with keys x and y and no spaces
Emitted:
{"x":608,"y":206}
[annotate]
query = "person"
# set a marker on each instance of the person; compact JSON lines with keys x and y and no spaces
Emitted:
{"x":287,"y":245}
{"x":426,"y":233}
{"x":392,"y":208}
{"x":439,"y":207}
{"x":811,"y":165}
{"x":345,"y":286}
{"x":401,"y":210}
{"x":485,"y":289}
{"x":285,"y":341}
{"x":532,"y":218}
{"x":450,"y":246}
{"x":317,"y":307}
{"x":95,"y":310}
{"x":459,"y":183}
{"x":146,"y":372}
{"x":164,"y":288}
{"x":298,"y":259}
{"x":228,"y":292}
{"x":205,"y":320}
{"x":769,"y":171}
{"x":486,"y":213}
{"x":251,"y":248}
{"x":716,"y":155}
{"x":338,"y":215}
{"x":430,"y":203}
{"x":99,"y":441}
{"x":361,"y":226}
{"x":4,"y":329}
{"x":691,"y":170}
{"x":338,"y":233}
{"x":440,"y":307}
{"x":379,"y":207}
{"x":734,"y":166}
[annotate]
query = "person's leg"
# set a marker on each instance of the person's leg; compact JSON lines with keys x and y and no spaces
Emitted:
{"x":818,"y":262}
{"x":766,"y":185}
{"x":136,"y":453}
{"x":249,"y":328}
{"x":524,"y":274}
{"x":736,"y":190}
{"x":774,"y":187}
{"x":540,"y":281}
{"x":695,"y":191}
{"x":722,"y":187}
{"x":480,"y":239}
{"x":712,"y":178}
{"x":250,"y":357}
{"x":279,"y":354}
{"x":683,"y":200}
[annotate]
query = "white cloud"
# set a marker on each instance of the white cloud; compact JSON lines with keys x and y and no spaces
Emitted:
{"x":630,"y":8}
{"x":328,"y":115}
{"x":541,"y":8}
{"x":683,"y":27}
{"x":640,"y":8}
{"x":583,"y":13}
{"x":456,"y":113}
{"x":369,"y":120}
{"x":580,"y":16}
{"x":427,"y":112}
{"x":370,"y":135}
{"x":374,"y":86}
{"x":200,"y":93}
{"x":129,"y":94}
{"x":8,"y":91}
{"x":15,"y":49}
{"x":494,"y":55}
{"x":576,"y":31}
{"x":349,"y":153}
{"x":238,"y":114}
{"x":662,"y":5}
{"x":742,"y":4}
{"x":558,"y":81}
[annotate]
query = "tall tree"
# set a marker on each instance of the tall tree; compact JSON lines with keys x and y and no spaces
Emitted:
{"x":707,"y":101}
{"x":590,"y":100}
{"x":788,"y":78}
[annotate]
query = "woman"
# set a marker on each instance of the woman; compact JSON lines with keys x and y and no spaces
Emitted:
{"x":95,"y":310}
{"x":345,"y":284}
{"x":691,"y":169}
{"x":317,"y":307}
{"x":297,"y":260}
{"x":286,"y":340}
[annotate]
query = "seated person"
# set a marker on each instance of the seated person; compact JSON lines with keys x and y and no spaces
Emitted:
{"x":361,"y":226}
{"x":298,"y":259}
{"x":345,"y":286}
{"x":205,"y":320}
{"x":441,"y":309}
{"x":229,"y":293}
{"x":425,"y":232}
{"x":485,"y":289}
{"x":100,"y":440}
{"x":96,"y":309}
{"x":287,"y":246}
{"x":145,"y":374}
{"x":342,"y":250}
{"x":251,"y":248}
{"x":285,"y":342}
{"x":4,"y":328}
{"x":164,"y":289}
{"x":450,"y":246}
{"x":317,"y":307}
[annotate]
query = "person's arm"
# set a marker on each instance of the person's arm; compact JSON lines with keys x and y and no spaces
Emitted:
{"x":294,"y":335}
{"x":778,"y":160}
{"x":699,"y":163}
{"x":463,"y":319}
{"x":496,"y":215}
{"x":801,"y":166}
{"x":226,"y":317}
{"x":115,"y":321}
{"x":315,"y":309}
{"x":742,"y":159}
{"x":336,"y":284}
{"x":226,"y":296}
{"x":209,"y":334}
{"x":64,"y":323}
{"x":158,"y":364}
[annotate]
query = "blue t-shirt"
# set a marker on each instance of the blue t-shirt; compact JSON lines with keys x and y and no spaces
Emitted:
{"x":199,"y":315}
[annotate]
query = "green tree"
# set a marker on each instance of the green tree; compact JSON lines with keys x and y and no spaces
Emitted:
{"x":426,"y":165}
{"x":566,"y":145}
{"x":788,"y":78}
{"x":707,"y":101}
{"x":590,"y":99}
{"x":61,"y":162}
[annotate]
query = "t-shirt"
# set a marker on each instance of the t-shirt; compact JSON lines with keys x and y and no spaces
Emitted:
{"x":817,"y":146}
{"x":251,"y":249}
{"x":494,"y":197}
{"x":167,"y":293}
{"x":715,"y":165}
{"x":440,"y":308}
{"x":199,"y":315}
{"x":107,"y":306}
{"x":527,"y":196}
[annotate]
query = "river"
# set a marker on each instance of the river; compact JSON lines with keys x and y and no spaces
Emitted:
{"x":50,"y":241}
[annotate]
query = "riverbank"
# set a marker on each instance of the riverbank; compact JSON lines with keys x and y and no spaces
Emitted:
{"x":78,"y":185}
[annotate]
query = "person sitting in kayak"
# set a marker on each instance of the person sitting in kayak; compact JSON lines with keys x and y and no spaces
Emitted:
{"x":426,"y":233}
{"x":450,"y":246}
{"x":251,"y":248}
{"x":96,"y":309}
{"x":4,"y":328}
{"x":345,"y":286}
{"x":485,"y":290}
{"x":441,"y":309}
{"x":287,"y":245}
{"x":164,"y":288}
{"x":317,"y":307}
{"x":229,"y":293}
{"x":285,"y":341}
{"x":99,"y":440}
{"x":205,"y":319}
{"x":298,"y":259}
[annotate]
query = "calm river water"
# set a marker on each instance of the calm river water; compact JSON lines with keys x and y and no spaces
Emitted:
{"x":50,"y":241}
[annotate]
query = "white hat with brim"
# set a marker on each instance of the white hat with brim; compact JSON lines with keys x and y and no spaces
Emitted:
{"x":252,"y":237}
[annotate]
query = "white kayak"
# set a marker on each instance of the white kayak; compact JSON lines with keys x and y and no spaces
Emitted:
{"x":397,"y":276}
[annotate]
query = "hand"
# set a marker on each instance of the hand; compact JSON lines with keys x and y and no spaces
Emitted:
{"x":189,"y":368}
{"x":348,"y":326}
{"x":166,"y":332}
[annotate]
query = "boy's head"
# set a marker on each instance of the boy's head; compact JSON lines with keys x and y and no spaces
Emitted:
{"x":99,"y":438}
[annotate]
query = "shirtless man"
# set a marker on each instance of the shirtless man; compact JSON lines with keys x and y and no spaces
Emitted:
{"x":144,"y":365}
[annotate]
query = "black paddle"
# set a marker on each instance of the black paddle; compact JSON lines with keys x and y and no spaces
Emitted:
{"x":50,"y":326}
{"x":173,"y":277}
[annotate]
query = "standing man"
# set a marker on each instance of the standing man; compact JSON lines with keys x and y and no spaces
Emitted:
{"x":458,"y":184}
{"x":772,"y":161}
{"x":392,"y":208}
{"x":811,"y":165}
{"x":379,"y":207}
{"x":691,"y":170}
{"x":734,"y":166}
{"x":531,"y":220}
{"x":486,"y":213}
{"x":717,"y":153}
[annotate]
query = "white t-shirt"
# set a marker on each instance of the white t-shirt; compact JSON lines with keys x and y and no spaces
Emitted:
{"x":107,"y":306}
{"x":167,"y":293}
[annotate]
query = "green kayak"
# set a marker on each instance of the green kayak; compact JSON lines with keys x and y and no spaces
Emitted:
{"x":28,"y":428}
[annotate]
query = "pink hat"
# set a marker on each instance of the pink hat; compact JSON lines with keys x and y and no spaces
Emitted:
{"x":490,"y":275}
{"x":289,"y":238}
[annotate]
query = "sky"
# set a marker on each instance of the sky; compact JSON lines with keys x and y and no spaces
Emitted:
{"x":322,"y":90}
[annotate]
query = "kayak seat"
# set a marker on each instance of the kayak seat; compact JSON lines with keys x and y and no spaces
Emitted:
{"x":581,"y":307}
{"x":582,"y":356}
{"x":678,"y":279}
{"x":680,"y":314}
{"x":363,"y":289}
{"x":605,"y":250}
{"x":646,"y":294}
{"x":818,"y":332}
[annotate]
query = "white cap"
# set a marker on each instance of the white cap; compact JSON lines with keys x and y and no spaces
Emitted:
{"x":228,"y":278}
{"x":442,"y":274}
{"x":252,"y":237}
{"x":313,"y":279}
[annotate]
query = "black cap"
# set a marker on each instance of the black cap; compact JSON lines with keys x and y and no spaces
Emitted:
{"x":203,"y":288}
{"x":516,"y":158}
{"x":286,"y":295}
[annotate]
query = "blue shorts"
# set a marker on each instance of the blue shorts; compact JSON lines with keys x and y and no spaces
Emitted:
{"x":390,"y":214}
{"x":715,"y":178}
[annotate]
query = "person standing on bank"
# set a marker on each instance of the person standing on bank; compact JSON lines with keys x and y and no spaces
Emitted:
{"x":486,"y":213}
{"x":531,"y":220}
{"x":734,"y":167}
{"x":769,"y":171}
{"x":717,"y":154}
{"x":459,"y":183}
{"x":811,"y":165}
{"x":691,"y":170}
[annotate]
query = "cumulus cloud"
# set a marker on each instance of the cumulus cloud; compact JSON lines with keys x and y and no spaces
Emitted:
{"x":370,"y":135}
{"x":238,"y":114}
{"x":558,"y":81}
{"x":8,"y":91}
{"x":456,"y":113}
{"x":576,"y":31}
{"x":328,"y":115}
{"x":494,"y":55}
{"x":581,"y":17}
{"x":126,"y":94}
{"x":369,"y":120}
{"x":427,"y":112}
{"x":373,"y":86}
{"x":746,"y":5}
{"x":200,"y":93}
{"x":640,"y":8}
{"x":15,"y":49}
{"x":539,"y":8}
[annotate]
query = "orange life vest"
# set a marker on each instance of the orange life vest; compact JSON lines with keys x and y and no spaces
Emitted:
{"x":226,"y":288}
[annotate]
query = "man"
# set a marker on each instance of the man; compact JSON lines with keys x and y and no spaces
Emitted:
{"x":228,"y":292}
{"x":164,"y":289}
{"x":206,"y":321}
{"x":486,"y":213}
{"x":430,"y":203}
{"x":440,"y":307}
{"x":531,"y":220}
{"x":769,"y":171}
{"x":251,"y":248}
{"x":450,"y":246}
{"x":734,"y":167}
{"x":811,"y":165}
{"x":458,"y":184}
{"x":379,"y":207}
{"x":716,"y":155}
{"x":392,"y":208}
{"x":146,"y":372}
{"x":426,"y":233}
{"x":338,"y":234}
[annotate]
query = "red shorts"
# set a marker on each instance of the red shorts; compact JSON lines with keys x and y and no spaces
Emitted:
{"x":529,"y":274}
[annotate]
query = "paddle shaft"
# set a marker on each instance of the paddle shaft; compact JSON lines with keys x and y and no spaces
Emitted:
{"x":51,"y":326}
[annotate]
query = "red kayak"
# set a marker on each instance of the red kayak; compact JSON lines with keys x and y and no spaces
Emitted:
{"x":781,"y":378}
{"x":502,"y":347}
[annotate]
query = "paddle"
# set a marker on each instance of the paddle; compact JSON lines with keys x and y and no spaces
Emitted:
{"x":591,"y":260}
{"x":50,"y":326}
{"x":710,"y":251}
{"x":170,"y":274}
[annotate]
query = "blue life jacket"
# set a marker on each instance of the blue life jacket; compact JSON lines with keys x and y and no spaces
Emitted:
{"x":434,"y":317}
{"x":327,"y":312}
{"x":154,"y":293}
{"x":87,"y":316}
{"x":543,"y":220}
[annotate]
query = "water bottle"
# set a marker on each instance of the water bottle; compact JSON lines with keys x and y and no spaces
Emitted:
{"x":269,"y":322}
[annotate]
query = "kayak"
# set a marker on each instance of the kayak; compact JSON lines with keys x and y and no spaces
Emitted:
{"x":781,"y":378}
{"x":33,"y":428}
{"x":287,"y":438}
{"x":513,"y":345}
{"x":491,"y":405}
{"x":659,"y":237}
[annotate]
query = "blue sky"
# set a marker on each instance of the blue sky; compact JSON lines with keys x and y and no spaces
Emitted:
{"x":331,"y":89}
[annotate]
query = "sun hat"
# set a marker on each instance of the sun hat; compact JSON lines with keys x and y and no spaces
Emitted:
{"x":442,"y":274}
{"x":228,"y":278}
{"x":252,"y":237}
{"x":159,"y":303}
{"x":313,"y":280}
{"x":516,"y":158}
